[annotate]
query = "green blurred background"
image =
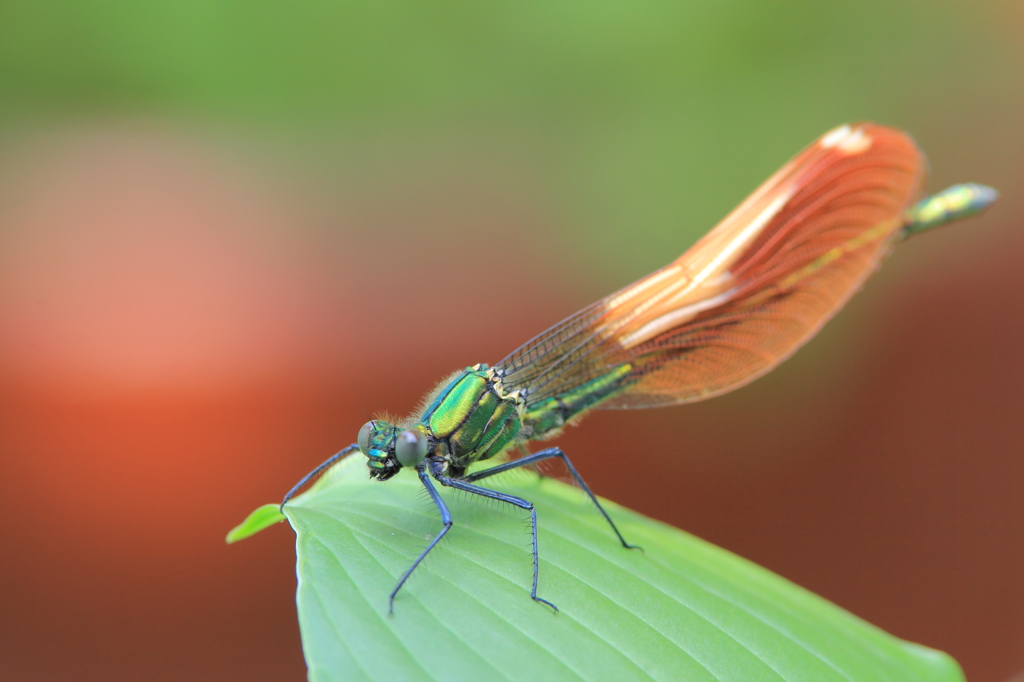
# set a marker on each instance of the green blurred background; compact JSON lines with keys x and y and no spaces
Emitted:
{"x":227,"y":229}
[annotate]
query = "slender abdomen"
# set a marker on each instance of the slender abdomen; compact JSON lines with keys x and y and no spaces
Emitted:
{"x":546,"y":417}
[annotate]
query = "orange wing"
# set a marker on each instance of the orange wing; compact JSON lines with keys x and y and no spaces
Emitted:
{"x":751,"y":291}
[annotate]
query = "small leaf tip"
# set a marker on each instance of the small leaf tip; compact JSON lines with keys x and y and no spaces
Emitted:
{"x":261,"y":518}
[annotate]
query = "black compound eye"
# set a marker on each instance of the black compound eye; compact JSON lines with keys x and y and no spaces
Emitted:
{"x":410,"y":447}
{"x":363,"y":440}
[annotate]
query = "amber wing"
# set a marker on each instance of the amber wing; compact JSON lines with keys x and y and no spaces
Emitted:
{"x":751,"y":291}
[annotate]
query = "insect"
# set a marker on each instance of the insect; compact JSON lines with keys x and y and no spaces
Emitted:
{"x":738,"y":303}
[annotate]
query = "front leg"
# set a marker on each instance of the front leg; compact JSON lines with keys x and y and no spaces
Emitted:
{"x":437,"y":471}
{"x":446,"y":519}
{"x":316,"y":472}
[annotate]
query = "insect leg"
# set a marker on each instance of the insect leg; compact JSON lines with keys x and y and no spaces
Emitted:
{"x":316,"y":472}
{"x":548,"y":454}
{"x":446,"y":519}
{"x":513,"y":500}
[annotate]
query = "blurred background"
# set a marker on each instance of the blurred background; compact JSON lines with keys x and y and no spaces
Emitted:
{"x":229,"y":230}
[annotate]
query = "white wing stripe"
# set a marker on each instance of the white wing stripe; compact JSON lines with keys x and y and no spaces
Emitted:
{"x":640,"y":286}
{"x":673,"y":319}
{"x":744,"y":237}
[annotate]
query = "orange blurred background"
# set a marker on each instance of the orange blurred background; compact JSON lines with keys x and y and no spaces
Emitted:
{"x":216,"y":257}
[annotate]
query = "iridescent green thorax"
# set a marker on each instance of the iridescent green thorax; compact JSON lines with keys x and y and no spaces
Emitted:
{"x":473,"y":418}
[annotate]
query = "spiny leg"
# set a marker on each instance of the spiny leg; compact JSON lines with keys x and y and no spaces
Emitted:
{"x":548,"y":454}
{"x":316,"y":472}
{"x":501,"y":497}
{"x":446,"y":519}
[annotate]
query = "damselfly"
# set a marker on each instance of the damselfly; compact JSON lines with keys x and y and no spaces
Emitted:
{"x":738,"y":303}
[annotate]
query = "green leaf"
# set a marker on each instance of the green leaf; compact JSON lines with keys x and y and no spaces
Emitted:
{"x":261,"y":518}
{"x":681,"y":610}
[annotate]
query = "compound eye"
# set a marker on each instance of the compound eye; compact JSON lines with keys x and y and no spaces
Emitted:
{"x":363,"y":440}
{"x":410,"y":447}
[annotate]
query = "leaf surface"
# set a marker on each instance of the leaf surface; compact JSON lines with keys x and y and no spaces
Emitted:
{"x":681,"y":610}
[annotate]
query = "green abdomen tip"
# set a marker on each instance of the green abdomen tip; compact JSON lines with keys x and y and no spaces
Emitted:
{"x":954,"y":203}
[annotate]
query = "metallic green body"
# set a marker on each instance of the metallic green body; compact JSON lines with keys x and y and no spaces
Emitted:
{"x":473,"y":418}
